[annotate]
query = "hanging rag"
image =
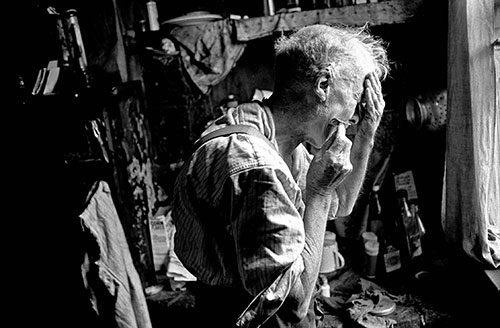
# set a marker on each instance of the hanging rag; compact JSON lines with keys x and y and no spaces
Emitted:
{"x":109,"y":275}
{"x":208,"y":51}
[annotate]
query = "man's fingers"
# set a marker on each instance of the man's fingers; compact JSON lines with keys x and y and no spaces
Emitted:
{"x":338,"y":145}
{"x":332,"y":163}
{"x":369,"y":98}
{"x":335,"y":142}
{"x":340,"y":141}
{"x":373,"y":94}
{"x":331,"y":138}
{"x":374,"y":82}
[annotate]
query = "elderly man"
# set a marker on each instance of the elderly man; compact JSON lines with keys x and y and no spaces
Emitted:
{"x":251,"y":207}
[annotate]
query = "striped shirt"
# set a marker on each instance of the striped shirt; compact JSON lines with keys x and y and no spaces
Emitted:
{"x":238,"y":208}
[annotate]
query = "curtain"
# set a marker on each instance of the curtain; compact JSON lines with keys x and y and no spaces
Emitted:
{"x":471,"y":203}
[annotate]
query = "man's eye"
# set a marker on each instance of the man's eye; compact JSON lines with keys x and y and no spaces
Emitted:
{"x":346,"y":123}
{"x":359,"y":108}
{"x":361,"y":105}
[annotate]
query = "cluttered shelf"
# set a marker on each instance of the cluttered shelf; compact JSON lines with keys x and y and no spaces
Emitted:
{"x":377,"y":13}
{"x":210,"y":45}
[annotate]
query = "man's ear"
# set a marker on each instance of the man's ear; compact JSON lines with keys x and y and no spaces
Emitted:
{"x":322,"y":86}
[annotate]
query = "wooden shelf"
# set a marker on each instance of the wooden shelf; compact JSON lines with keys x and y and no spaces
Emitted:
{"x":379,"y":13}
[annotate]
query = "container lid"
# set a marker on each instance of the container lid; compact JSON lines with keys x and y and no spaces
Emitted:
{"x":371,"y":247}
{"x":385,"y":306}
{"x":330,"y":235}
{"x":368,"y":235}
{"x":193,"y":18}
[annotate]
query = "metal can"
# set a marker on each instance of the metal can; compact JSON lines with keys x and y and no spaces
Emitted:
{"x":153,"y":16}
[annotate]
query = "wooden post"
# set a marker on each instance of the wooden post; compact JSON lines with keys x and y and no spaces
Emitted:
{"x":129,"y":143}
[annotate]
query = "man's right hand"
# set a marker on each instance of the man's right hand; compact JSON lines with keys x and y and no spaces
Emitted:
{"x":331,"y":164}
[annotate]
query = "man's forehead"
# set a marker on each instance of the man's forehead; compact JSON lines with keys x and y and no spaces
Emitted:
{"x":361,"y":55}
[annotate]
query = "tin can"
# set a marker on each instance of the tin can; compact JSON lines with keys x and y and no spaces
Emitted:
{"x":153,"y":16}
{"x":268,"y":7}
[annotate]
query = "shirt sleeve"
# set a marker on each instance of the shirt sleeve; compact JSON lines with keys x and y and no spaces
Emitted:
{"x":270,"y":299}
{"x":269,"y":237}
{"x":267,"y":225}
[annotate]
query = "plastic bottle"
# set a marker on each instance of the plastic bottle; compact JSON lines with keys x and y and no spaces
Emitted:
{"x":410,"y":227}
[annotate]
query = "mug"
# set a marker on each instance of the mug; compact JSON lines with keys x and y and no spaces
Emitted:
{"x":331,"y":258}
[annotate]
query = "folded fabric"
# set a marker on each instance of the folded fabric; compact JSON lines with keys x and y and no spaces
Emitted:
{"x":175,"y":269}
{"x":367,"y":307}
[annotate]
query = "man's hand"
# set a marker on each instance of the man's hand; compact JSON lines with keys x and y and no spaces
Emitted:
{"x":371,"y":115}
{"x":331,"y":164}
{"x":371,"y":112}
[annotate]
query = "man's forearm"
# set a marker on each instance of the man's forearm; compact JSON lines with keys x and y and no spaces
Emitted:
{"x":349,"y":190}
{"x":315,"y":218}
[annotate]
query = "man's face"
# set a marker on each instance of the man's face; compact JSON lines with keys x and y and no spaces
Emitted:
{"x":341,"y":105}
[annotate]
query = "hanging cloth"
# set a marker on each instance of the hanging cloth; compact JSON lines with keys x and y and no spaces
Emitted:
{"x":208,"y":51}
{"x":109,"y":274}
{"x":471,"y":208}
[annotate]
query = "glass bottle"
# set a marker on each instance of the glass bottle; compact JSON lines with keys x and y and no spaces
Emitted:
{"x":375,"y":224}
{"x":411,"y":228}
{"x":77,"y":49}
{"x":390,"y":254}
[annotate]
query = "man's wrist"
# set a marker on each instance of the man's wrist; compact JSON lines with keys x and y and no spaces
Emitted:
{"x":366,"y":132}
{"x":319,"y":193}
